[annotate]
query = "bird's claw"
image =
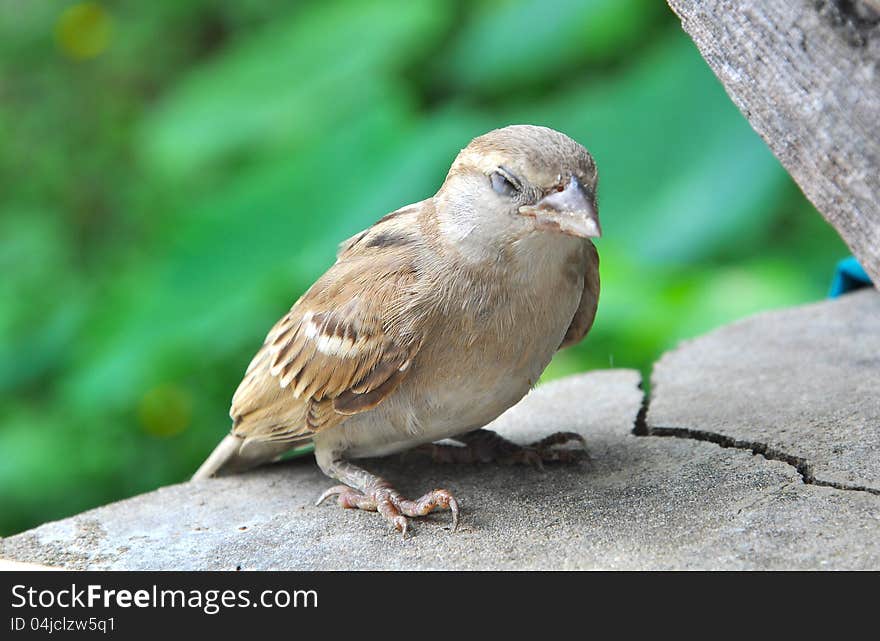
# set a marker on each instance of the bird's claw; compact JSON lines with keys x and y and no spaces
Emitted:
{"x":392,"y":505}
{"x":561,"y":447}
{"x":333,"y":491}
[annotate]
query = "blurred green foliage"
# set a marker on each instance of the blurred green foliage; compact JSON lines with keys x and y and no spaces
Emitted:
{"x":174,"y":174}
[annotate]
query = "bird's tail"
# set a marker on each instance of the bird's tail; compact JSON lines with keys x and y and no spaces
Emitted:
{"x":230,"y":457}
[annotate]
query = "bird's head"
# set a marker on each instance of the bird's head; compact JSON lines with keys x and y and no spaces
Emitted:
{"x":516,"y":181}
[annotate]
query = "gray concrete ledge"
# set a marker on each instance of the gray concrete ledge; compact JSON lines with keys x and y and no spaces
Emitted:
{"x":801,"y":385}
{"x":798,"y":387}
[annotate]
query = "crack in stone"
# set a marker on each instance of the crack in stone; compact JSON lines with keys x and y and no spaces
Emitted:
{"x":800,"y":464}
{"x":640,"y":428}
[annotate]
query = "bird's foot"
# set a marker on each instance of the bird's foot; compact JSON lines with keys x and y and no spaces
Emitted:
{"x":486,"y":446}
{"x":392,"y":505}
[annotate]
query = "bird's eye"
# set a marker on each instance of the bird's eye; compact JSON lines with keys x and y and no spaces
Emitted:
{"x":503,"y":184}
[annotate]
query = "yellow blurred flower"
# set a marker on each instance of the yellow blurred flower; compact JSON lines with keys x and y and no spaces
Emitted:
{"x":165,"y":410}
{"x":83,"y":30}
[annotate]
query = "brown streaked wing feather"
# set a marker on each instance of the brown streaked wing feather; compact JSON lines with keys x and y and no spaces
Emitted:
{"x":586,"y":311}
{"x":342,"y":348}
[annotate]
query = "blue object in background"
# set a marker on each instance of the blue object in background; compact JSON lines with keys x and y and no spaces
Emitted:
{"x":848,"y":276}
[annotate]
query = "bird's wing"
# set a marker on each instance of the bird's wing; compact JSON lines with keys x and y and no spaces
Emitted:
{"x":343,"y":347}
{"x":586,"y":311}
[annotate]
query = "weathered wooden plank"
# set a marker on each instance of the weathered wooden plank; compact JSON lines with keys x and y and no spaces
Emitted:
{"x":805,"y":74}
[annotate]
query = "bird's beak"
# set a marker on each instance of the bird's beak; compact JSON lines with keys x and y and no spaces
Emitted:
{"x":571,"y":211}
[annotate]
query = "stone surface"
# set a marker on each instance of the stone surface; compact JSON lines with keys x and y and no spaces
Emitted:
{"x":643,"y":502}
{"x":804,"y":382}
{"x":15,"y":566}
{"x":805,"y":74}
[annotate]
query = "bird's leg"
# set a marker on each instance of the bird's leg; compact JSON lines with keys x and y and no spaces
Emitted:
{"x":485,"y":446}
{"x":366,"y":491}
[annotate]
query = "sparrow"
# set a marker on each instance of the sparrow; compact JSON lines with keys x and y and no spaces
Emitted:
{"x":430,"y":324}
